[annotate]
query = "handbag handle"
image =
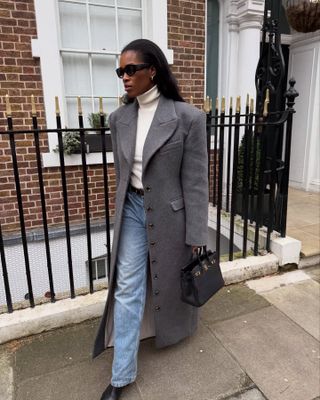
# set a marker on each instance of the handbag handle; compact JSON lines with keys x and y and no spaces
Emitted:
{"x":199,"y":253}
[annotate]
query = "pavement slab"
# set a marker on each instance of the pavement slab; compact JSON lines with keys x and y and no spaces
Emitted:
{"x":51,"y":351}
{"x":197,"y":368}
{"x":300,"y":303}
{"x":314,"y":273}
{"x":82,"y":381}
{"x":279,"y":356}
{"x":251,"y":394}
{"x":231,"y":301}
{"x":6,"y":376}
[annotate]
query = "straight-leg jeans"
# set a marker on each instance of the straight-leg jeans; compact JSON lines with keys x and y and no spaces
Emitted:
{"x":130,"y":290}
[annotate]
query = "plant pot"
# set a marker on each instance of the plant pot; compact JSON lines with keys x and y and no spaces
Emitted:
{"x":304,"y":16}
{"x":93,"y":141}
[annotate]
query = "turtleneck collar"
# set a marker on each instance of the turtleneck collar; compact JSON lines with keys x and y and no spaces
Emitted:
{"x":149,"y":98}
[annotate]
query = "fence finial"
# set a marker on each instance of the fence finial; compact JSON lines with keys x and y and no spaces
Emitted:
{"x":56,"y":99}
{"x":238,"y":104}
{"x":266,"y":103}
{"x":101,"y":106}
{"x":217,"y":103}
{"x":223,"y":104}
{"x":79,"y":105}
{"x":8,"y":107}
{"x":206,"y":105}
{"x":33,"y":107}
{"x":252,"y":105}
{"x":191,"y":99}
{"x":210,"y":103}
{"x":248,"y":100}
{"x":231,"y":101}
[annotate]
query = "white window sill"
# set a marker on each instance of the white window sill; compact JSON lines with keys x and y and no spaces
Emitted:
{"x":53,"y":160}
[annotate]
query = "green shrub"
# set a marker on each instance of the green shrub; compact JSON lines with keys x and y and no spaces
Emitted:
{"x":71,"y":143}
{"x":254,"y":189}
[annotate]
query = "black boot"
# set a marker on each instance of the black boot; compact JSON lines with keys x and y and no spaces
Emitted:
{"x":111,"y":393}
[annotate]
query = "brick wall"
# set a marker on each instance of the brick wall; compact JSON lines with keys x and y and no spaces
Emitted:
{"x":186,"y":36}
{"x":20,"y":77}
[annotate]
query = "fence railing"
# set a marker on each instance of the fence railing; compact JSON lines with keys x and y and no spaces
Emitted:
{"x":245,"y":178}
{"x":250,"y":177}
{"x":35,"y":153}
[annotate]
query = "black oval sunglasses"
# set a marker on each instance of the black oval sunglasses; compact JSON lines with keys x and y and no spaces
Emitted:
{"x":130,"y":69}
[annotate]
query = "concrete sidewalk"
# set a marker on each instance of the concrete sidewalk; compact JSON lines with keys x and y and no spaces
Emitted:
{"x":258,"y":340}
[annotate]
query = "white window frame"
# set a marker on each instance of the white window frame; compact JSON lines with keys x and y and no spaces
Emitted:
{"x":95,"y":267}
{"x":47,"y":48}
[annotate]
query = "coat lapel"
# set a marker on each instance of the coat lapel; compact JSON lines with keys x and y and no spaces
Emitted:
{"x":162,"y":127}
{"x":127,"y":131}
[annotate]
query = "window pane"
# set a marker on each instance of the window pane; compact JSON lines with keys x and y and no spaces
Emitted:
{"x":105,"y":2}
{"x":76,"y":74}
{"x":103,"y":28}
{"x":129,"y":3}
{"x":104,"y":76}
{"x":130,"y":26}
{"x":101,"y":267}
{"x":74,"y":31}
{"x":94,"y":270}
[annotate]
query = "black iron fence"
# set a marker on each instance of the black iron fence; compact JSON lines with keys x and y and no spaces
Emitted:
{"x":35,"y":132}
{"x":249,"y":161}
{"x":245,"y":178}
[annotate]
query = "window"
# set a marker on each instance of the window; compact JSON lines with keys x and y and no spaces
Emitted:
{"x":99,"y":270}
{"x":78,"y":43}
{"x":92,"y":34}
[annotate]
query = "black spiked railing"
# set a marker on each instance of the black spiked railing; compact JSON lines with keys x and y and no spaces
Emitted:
{"x":251,"y":184}
{"x":48,"y":227}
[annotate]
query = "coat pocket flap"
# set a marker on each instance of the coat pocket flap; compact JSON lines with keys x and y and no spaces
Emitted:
{"x":177,"y":204}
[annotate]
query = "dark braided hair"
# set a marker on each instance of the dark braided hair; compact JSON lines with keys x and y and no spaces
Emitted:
{"x":151,"y":53}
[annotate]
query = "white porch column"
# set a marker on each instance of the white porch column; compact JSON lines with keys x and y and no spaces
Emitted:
{"x":244,"y":20}
{"x":250,"y":15}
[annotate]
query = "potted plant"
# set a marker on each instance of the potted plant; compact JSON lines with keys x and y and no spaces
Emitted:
{"x":303,"y":15}
{"x":93,"y":139}
{"x":71,"y":143}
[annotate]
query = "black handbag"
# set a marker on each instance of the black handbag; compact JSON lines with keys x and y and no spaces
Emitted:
{"x":201,"y":278}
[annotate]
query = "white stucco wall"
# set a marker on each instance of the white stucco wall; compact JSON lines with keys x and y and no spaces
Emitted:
{"x":38,"y":265}
{"x":304,"y":66}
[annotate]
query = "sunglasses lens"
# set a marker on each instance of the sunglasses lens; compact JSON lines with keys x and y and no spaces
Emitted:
{"x":130,"y":69}
{"x":119,"y":72}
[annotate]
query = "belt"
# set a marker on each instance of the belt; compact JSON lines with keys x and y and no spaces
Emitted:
{"x":140,"y":192}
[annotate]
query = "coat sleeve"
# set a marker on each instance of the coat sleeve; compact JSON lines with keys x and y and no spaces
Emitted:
{"x":114,"y":147}
{"x":194,"y":177}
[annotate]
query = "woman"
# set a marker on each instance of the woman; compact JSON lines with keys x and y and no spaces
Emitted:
{"x":160,"y":157}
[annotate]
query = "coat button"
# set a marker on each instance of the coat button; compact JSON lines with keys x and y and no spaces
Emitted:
{"x":148,"y":189}
{"x":153,"y":261}
{"x":155,"y":276}
{"x":157,"y":308}
{"x":152,"y":243}
{"x":150,"y":225}
{"x":149,"y":208}
{"x":156,"y":292}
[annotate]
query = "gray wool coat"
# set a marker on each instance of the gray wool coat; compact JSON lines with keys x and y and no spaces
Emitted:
{"x":175,"y":181}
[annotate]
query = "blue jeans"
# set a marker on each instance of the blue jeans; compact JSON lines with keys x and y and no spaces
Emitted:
{"x":130,"y":290}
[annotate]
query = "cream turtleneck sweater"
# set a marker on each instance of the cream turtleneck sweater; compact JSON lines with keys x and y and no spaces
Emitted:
{"x":148,"y":103}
